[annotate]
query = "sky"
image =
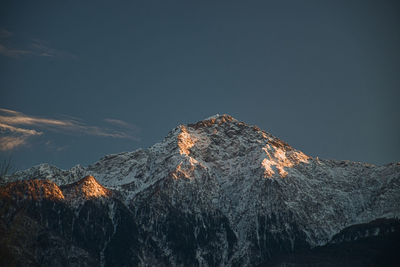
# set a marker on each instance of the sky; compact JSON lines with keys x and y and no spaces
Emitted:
{"x":83,"y":79}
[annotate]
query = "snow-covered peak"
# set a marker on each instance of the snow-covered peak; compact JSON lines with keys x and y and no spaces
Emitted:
{"x":212,"y":117}
{"x":86,"y":188}
{"x":218,"y":116}
{"x":214,"y":121}
{"x":222,"y":137}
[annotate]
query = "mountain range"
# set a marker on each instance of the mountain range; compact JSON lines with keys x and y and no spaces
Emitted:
{"x":217,"y":192}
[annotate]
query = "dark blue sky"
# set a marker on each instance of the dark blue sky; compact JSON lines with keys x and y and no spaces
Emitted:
{"x":99,"y":77}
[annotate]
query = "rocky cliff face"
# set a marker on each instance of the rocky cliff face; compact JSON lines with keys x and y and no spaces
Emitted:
{"x":215,"y":193}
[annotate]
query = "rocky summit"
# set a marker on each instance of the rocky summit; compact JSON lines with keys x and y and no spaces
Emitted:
{"x":214,"y":193}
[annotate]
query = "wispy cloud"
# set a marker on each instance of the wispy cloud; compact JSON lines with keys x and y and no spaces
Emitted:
{"x":121,"y":123}
{"x":14,"y":132}
{"x":31,"y":47}
{"x":17,"y":118}
{"x":41,"y":48}
{"x":52,"y":146}
{"x":5,"y":127}
{"x":15,"y":53}
{"x":11,"y":142}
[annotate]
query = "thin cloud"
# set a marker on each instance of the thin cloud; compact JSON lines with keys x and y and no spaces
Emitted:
{"x":52,"y":146}
{"x":121,"y":123}
{"x":11,"y":142}
{"x":6,"y":127}
{"x":8,"y":111}
{"x":15,"y":53}
{"x":18,"y":118}
{"x":12,"y":122}
{"x":32,"y":47}
{"x":13,"y":136}
{"x":41,"y":48}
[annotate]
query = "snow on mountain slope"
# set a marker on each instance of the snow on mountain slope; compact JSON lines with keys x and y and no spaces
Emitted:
{"x":47,"y":171}
{"x":249,"y":176}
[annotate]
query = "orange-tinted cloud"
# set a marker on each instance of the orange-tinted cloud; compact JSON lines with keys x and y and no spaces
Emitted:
{"x":13,"y":128}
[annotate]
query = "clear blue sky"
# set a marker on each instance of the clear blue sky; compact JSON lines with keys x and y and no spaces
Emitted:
{"x":89,"y":78}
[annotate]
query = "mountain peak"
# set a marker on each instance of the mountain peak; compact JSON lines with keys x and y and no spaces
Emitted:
{"x":34,"y":189}
{"x":213,"y":120}
{"x":221,"y":138}
{"x":220,"y":116}
{"x":86,"y":188}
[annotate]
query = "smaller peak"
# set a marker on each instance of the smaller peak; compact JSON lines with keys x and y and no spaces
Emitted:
{"x":33,"y":189}
{"x":89,"y":179}
{"x":88,"y":188}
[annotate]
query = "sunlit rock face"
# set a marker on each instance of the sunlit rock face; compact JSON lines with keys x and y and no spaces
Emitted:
{"x":214,"y":193}
{"x":31,"y":190}
{"x":87,"y":188}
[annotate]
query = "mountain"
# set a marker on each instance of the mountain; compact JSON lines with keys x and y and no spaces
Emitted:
{"x":215,"y":193}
